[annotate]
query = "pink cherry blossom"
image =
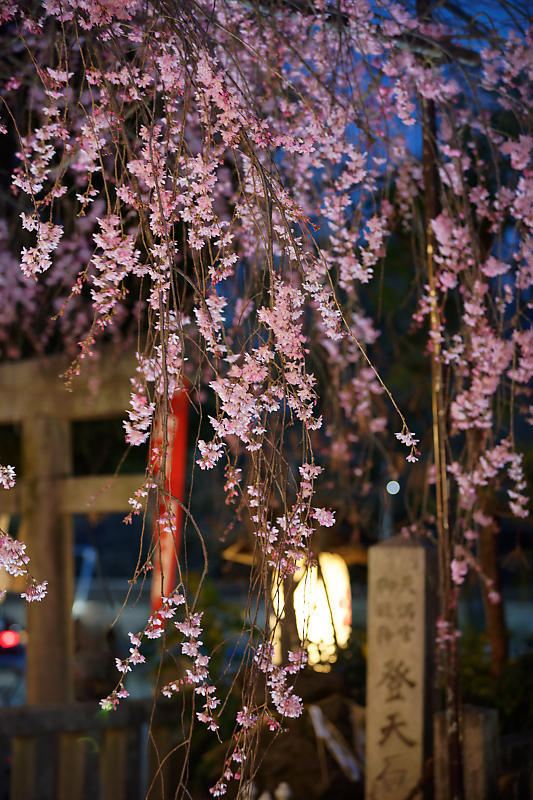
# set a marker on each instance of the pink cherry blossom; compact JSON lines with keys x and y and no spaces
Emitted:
{"x":35,"y":591}
{"x":7,"y":476}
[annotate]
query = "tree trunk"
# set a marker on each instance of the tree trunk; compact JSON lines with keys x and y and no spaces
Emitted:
{"x":453,"y":709}
{"x":497,"y":632}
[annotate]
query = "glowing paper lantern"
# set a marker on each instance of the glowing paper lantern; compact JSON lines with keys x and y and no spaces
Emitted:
{"x":322,"y":607}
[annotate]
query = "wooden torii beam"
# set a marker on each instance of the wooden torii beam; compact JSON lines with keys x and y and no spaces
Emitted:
{"x":34,"y":395}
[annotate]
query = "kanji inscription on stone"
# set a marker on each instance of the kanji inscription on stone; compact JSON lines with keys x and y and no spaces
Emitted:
{"x":400,"y":578}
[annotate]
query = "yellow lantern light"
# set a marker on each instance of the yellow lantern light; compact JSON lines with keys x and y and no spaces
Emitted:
{"x":322,"y":607}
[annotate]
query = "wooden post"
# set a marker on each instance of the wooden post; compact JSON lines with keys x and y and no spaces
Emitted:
{"x":481,"y":755}
{"x":23,"y":768}
{"x":47,"y":533}
{"x":113,"y":764}
{"x":71,"y":767}
{"x":163,"y":762}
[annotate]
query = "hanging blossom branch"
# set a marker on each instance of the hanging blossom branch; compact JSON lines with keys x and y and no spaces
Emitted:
{"x":13,"y":556}
{"x":232,"y":189}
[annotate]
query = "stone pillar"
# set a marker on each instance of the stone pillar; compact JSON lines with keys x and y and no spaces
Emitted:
{"x":481,"y":754}
{"x":402,"y":591}
{"x":47,"y":533}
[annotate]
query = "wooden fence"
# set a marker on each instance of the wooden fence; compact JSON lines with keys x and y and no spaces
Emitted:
{"x":78,"y":752}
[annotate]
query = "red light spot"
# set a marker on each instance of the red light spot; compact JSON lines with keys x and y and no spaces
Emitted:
{"x":9,"y":638}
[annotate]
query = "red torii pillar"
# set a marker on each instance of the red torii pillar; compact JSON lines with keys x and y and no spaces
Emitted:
{"x":167,"y":542}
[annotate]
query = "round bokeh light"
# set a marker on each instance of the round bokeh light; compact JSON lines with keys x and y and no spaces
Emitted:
{"x":393,"y":487}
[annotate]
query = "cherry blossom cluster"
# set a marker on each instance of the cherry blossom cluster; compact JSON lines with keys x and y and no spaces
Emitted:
{"x":446,"y":634}
{"x":38,"y":259}
{"x":286,"y":703}
{"x":115,"y":258}
{"x":197,"y":675}
{"x":7,"y":476}
{"x":91,"y":13}
{"x":35,"y":591}
{"x":285,"y":542}
{"x":139,"y":423}
{"x":489,"y":466}
{"x":464,"y":561}
{"x":408,"y":439}
{"x":14,"y":559}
